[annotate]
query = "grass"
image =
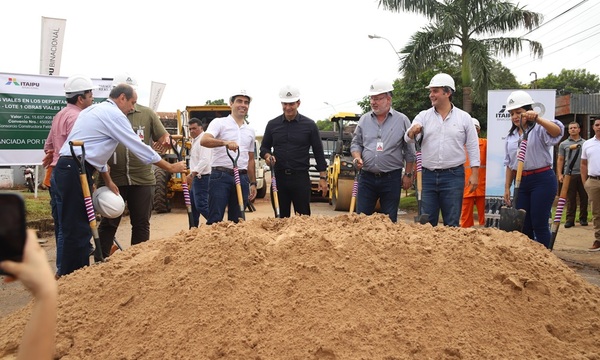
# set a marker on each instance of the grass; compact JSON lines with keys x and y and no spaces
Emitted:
{"x":37,"y":208}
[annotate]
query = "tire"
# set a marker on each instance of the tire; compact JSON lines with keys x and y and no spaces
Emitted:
{"x":30,"y":185}
{"x":260,"y":193}
{"x":161,"y":202}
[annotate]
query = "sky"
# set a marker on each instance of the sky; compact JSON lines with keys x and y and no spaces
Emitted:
{"x":206,"y":50}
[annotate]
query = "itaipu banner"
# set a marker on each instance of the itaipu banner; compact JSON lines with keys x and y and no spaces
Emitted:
{"x":28,"y":104}
{"x":52,"y":40}
{"x":499,"y":124}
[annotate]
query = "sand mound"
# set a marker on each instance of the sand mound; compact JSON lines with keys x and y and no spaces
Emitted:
{"x":345,"y":287}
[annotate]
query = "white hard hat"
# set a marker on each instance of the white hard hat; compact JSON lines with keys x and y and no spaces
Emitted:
{"x":380,"y":86}
{"x":441,"y":80}
{"x":107,"y":203}
{"x":476,"y":123}
{"x":78,"y":84}
{"x":125,"y":78}
{"x":518,"y":99}
{"x":289,"y":94}
{"x":241,"y":92}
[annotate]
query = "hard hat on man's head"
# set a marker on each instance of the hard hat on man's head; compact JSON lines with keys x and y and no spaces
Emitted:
{"x":380,"y":87}
{"x":77,"y":85}
{"x":518,"y":99}
{"x":125,"y":78}
{"x":289,"y":94}
{"x":241,"y":92}
{"x":107,"y":203}
{"x":442,"y":80}
{"x":476,"y":123}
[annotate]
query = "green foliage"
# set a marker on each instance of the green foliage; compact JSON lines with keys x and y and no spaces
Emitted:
{"x":37,"y":208}
{"x":476,"y":28}
{"x":325,"y":125}
{"x":571,"y":82}
{"x":216,"y":102}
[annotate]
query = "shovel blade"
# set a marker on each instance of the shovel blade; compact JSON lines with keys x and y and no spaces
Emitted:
{"x":422,"y":219}
{"x":511,"y":219}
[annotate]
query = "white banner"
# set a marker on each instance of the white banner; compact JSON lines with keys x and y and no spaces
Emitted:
{"x":53,"y":33}
{"x":499,"y":124}
{"x":156,"y":91}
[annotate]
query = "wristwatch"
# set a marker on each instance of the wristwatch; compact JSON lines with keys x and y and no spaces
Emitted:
{"x":253,"y":183}
{"x":408,"y":174}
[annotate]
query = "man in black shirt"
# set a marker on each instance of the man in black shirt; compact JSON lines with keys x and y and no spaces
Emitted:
{"x":286,"y":142}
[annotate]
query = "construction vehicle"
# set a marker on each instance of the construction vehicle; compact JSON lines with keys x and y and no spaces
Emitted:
{"x":341,"y":170}
{"x":329,"y":139}
{"x":167,"y":184}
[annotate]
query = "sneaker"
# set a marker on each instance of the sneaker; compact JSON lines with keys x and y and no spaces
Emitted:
{"x":569,"y":224}
{"x":583,"y":223}
{"x":596,"y":246}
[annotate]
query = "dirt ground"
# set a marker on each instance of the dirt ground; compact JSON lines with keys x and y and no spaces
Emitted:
{"x":329,"y":286}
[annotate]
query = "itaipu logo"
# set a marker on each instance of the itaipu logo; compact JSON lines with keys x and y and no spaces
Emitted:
{"x":24,"y":84}
{"x":502,"y":114}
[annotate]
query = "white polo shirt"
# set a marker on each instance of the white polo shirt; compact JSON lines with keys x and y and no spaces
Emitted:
{"x":227,"y":129}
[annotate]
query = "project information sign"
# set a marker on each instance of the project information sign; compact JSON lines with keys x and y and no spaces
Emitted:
{"x":28,"y":104}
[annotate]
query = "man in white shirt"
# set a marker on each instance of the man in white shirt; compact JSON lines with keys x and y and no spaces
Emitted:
{"x":100,"y":127}
{"x":445,"y":132}
{"x":590,"y":176}
{"x":230,"y":134}
{"x":199,"y":176}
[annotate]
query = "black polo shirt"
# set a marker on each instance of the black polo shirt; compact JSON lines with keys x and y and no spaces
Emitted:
{"x":290,"y":142}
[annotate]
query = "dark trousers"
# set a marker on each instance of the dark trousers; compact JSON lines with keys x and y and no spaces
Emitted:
{"x":383,"y":187}
{"x":222,"y":193}
{"x":73,"y":215}
{"x":139,"y":203}
{"x":293,"y":187}
{"x":575,"y":188}
{"x":536,"y":195}
{"x":199,"y":198}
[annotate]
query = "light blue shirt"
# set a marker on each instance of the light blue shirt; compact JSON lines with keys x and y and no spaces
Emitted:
{"x":101,"y":127}
{"x":539,"y":145}
{"x":445,"y":140}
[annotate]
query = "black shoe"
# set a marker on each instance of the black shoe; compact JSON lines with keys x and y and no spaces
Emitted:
{"x":583,"y":223}
{"x":569,"y":224}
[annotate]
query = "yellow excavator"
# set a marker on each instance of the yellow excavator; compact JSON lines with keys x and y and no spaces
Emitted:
{"x":341,"y":171}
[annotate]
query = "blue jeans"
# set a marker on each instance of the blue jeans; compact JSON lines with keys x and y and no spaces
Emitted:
{"x":536,"y":195}
{"x":200,"y":198}
{"x":56,"y":204}
{"x":443,"y":190}
{"x":386,"y":187}
{"x":222,"y":193}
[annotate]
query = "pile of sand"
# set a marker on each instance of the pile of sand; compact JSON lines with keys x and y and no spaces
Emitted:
{"x":345,"y":287}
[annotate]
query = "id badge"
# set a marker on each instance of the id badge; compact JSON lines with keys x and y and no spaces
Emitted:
{"x":379,"y":146}
{"x":140,"y":133}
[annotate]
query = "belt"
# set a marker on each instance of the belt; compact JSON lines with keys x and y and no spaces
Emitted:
{"x":381,"y":174}
{"x":594,"y":177}
{"x":290,"y":171}
{"x":228,"y":170}
{"x":442,"y":170}
{"x":535,"y":171}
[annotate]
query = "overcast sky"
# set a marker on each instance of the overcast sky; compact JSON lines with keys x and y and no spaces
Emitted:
{"x":205,"y":50}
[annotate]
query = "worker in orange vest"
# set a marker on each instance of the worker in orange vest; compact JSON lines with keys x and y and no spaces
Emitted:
{"x":477,"y":197}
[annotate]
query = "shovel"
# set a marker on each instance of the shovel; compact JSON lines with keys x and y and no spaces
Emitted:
{"x":354,"y":188}
{"x":420,"y":218}
{"x":238,"y":185}
{"x":511,"y":218}
{"x":274,"y":195}
{"x":563,"y":194}
{"x":87,"y":198}
{"x":184,"y":185}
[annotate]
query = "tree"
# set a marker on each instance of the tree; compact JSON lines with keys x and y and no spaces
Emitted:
{"x":325,"y":125}
{"x":463,"y":25}
{"x":216,"y":102}
{"x":571,"y":82}
{"x":411,"y":97}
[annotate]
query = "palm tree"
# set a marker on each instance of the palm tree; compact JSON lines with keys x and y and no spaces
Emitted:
{"x":464,"y":25}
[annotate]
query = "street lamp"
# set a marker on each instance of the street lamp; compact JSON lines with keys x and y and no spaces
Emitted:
{"x":389,"y":42}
